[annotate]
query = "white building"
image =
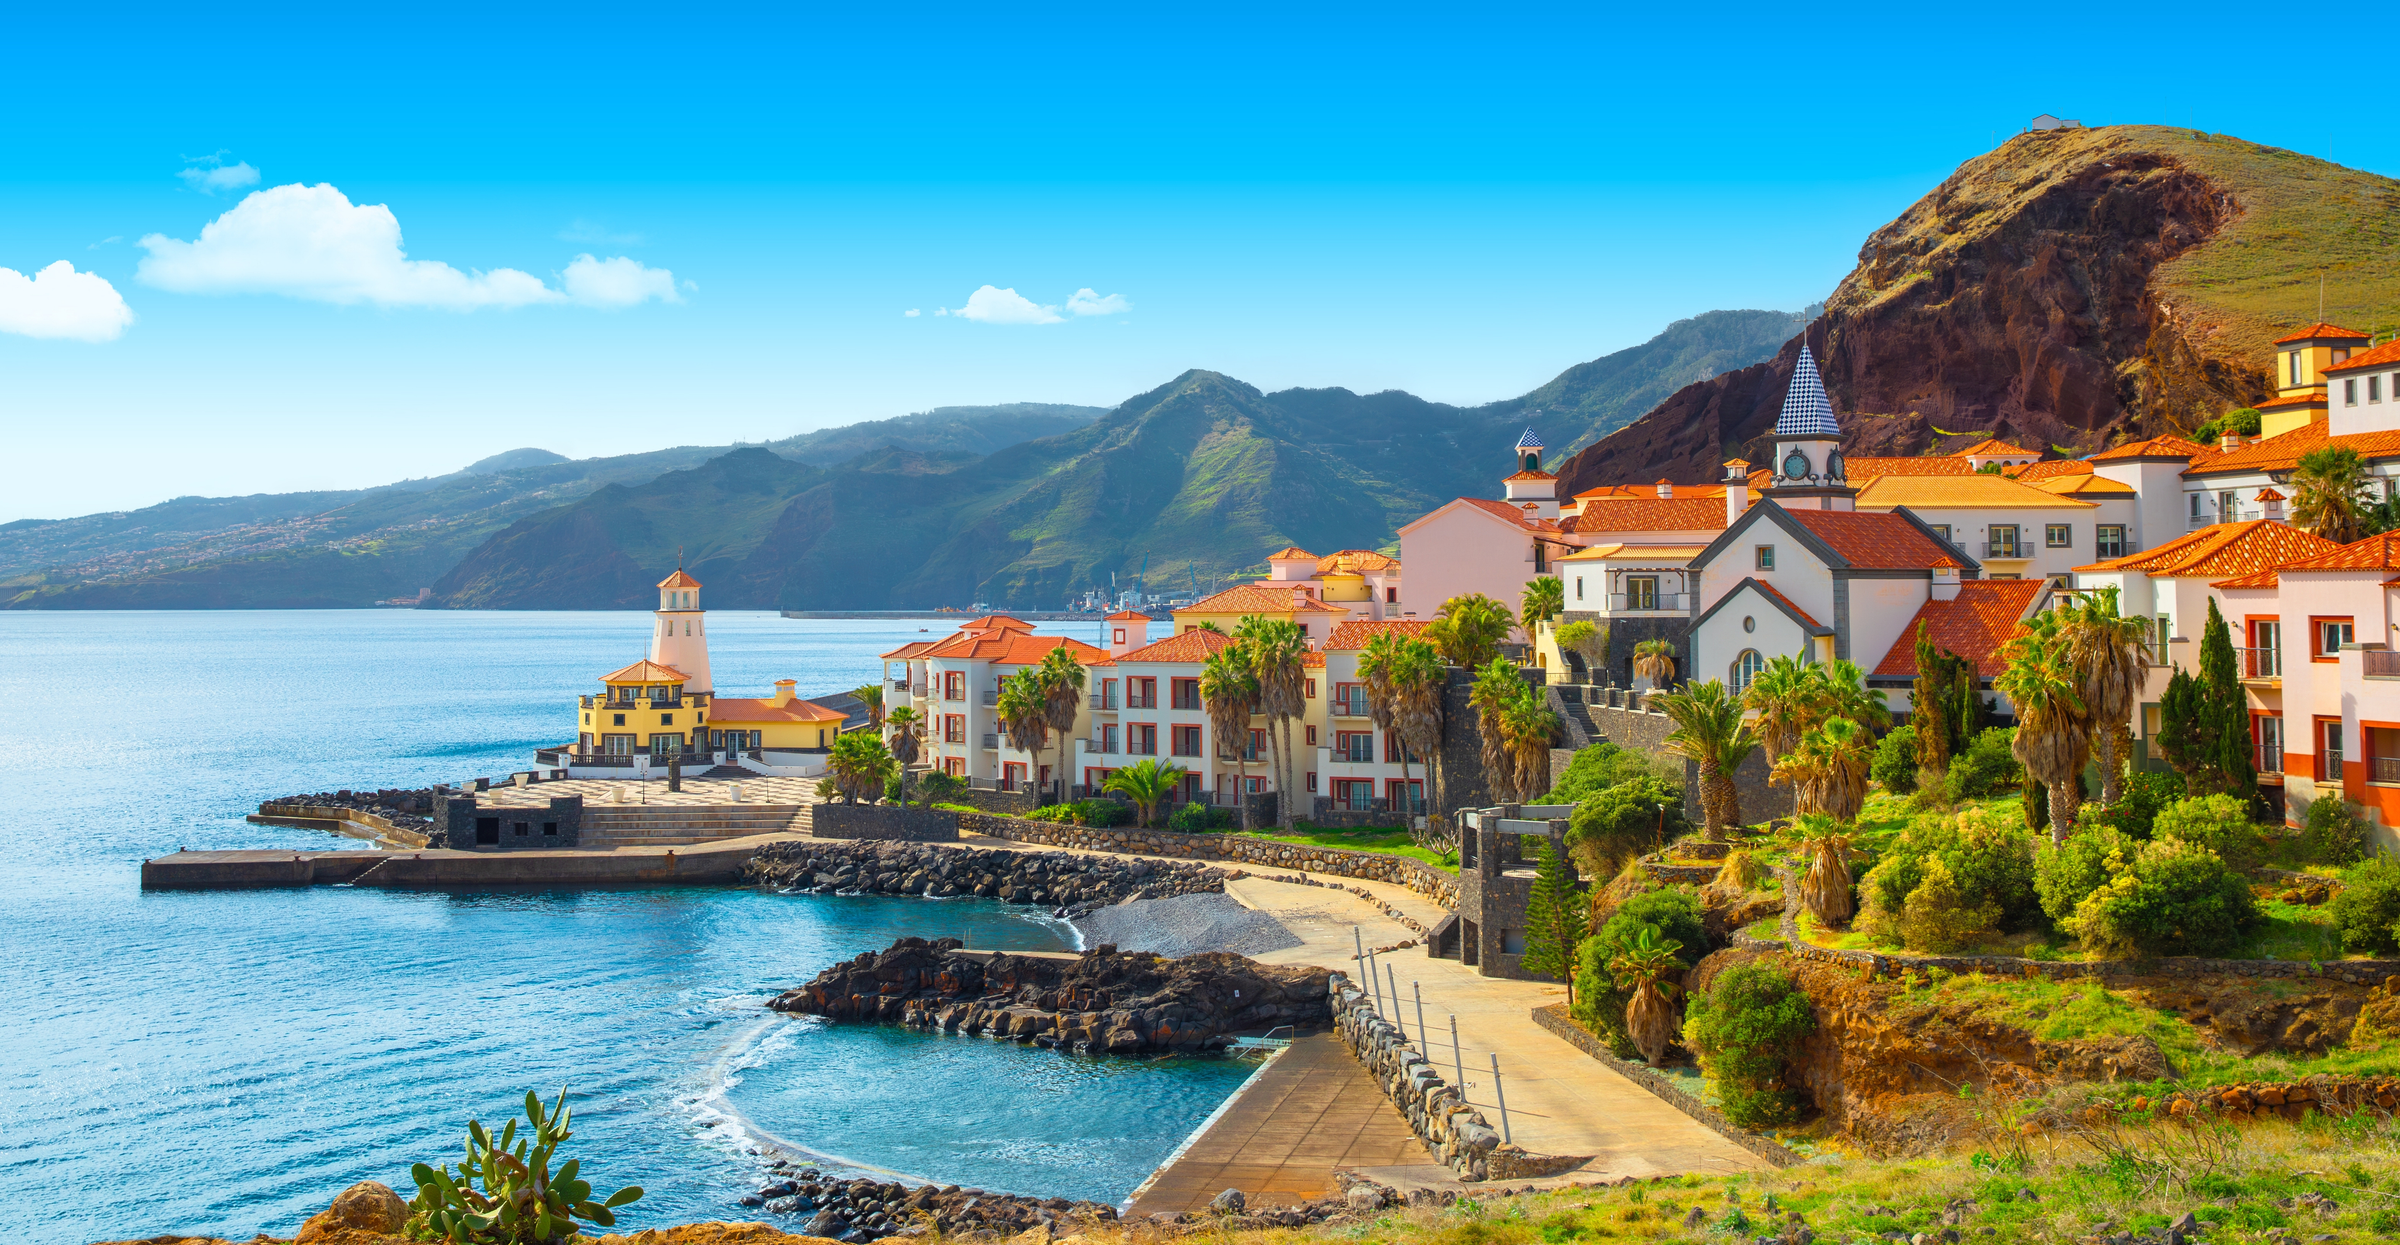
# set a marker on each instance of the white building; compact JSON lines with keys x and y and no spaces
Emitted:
{"x":954,"y":685}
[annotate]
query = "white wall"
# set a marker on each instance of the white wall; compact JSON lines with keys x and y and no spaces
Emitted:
{"x":1721,"y":639}
{"x":1970,"y":529}
{"x":1880,"y":610}
{"x":1461,"y":549}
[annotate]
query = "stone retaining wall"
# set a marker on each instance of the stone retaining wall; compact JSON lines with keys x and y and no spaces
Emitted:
{"x":1424,"y":879}
{"x":379,"y":826}
{"x":1457,"y":1134}
{"x":882,"y":821}
{"x":2328,"y":1092}
{"x":1006,"y":803}
{"x":1555,"y":1018}
{"x":1891,"y":964}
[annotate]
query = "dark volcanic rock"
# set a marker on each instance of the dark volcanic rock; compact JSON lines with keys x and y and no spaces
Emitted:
{"x":1069,"y":884}
{"x":1101,"y":1001}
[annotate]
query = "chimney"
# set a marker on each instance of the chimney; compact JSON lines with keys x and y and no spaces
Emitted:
{"x":2230,"y":442}
{"x":1945,"y":579}
{"x":2270,"y":503}
{"x":784,"y":690}
{"x":1666,"y":489}
{"x":1127,"y":631}
{"x":1737,"y":490}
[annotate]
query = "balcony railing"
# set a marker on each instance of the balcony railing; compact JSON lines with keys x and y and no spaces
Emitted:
{"x":1187,"y":700}
{"x":1106,"y":702}
{"x":991,"y":740}
{"x":1351,"y":706}
{"x":1359,"y":751}
{"x":990,"y":698}
{"x":2260,"y":663}
{"x":2329,"y":767}
{"x":2269,"y":759}
{"x":2007,"y":549}
{"x":1101,"y":747}
{"x":2231,"y":514}
{"x":1136,"y":700}
{"x":1640,"y":603}
{"x":1354,"y":803}
{"x":2380,"y":663}
{"x":2386,"y":769}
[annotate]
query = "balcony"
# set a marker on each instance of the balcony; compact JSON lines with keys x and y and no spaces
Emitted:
{"x":991,"y":741}
{"x":1351,"y":706}
{"x":2007,"y":550}
{"x":1139,"y":701}
{"x":2385,"y":769}
{"x":1100,"y":747}
{"x":2269,"y":759}
{"x":989,"y":698}
{"x":1359,"y":752}
{"x":2379,"y":663}
{"x":2231,"y":514}
{"x":1105,"y":703}
{"x":2261,"y":664}
{"x":1651,"y":602}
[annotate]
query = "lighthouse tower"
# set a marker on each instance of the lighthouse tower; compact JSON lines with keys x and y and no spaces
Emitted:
{"x":681,"y":637}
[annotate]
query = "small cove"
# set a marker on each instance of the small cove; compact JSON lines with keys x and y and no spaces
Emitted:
{"x":225,"y":1062}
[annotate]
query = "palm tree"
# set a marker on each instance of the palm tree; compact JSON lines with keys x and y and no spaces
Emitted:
{"x":1848,"y":696}
{"x":1543,"y":599}
{"x":1023,"y":710}
{"x":1497,"y":687}
{"x":1467,"y":630}
{"x":1654,"y":660}
{"x":1145,"y":784}
{"x":908,"y":731}
{"x":2110,"y":653}
{"x":1828,"y":769}
{"x":1532,"y":727}
{"x":871,"y":696}
{"x":1229,"y":690}
{"x":1825,"y":889}
{"x":1648,"y":964}
{"x":1277,"y":649}
{"x":2330,"y":490}
{"x":1786,"y":695}
{"x":1375,"y":666}
{"x":1419,"y":681}
{"x":2053,"y":730}
{"x":1709,"y":731}
{"x":859,"y":764}
{"x":1063,"y":680}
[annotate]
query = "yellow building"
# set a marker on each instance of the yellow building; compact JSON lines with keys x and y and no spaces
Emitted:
{"x":781,"y":723}
{"x":643,"y":712}
{"x":2300,"y":363}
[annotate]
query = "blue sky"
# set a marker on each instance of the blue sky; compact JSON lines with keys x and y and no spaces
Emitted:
{"x":1459,"y":202}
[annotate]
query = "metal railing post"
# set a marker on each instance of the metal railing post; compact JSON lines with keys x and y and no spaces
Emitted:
{"x":1394,"y":978}
{"x":1424,"y":1037}
{"x":1501,"y":1098}
{"x":1377,"y":981}
{"x":1458,"y":1062}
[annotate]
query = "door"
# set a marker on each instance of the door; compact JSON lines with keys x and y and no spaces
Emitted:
{"x":487,"y":832}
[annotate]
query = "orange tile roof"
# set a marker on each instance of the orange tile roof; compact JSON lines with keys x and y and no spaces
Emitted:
{"x":2255,"y":579}
{"x":1002,"y":622}
{"x":1355,"y":560}
{"x":2269,"y":494}
{"x":1190,"y":646}
{"x":2321,"y":330}
{"x":1289,"y":552}
{"x":2381,"y":356}
{"x":1983,"y":616}
{"x":724,"y":709}
{"x":1776,"y":593}
{"x":1312,"y":660}
{"x":645,"y":671}
{"x":1259,"y":599}
{"x":1979,"y":491}
{"x":679,"y":580}
{"x":2222,"y":550}
{"x":1607,"y":492}
{"x":2282,"y":453}
{"x":2375,"y":553}
{"x":1860,"y":470}
{"x":1988,"y":448}
{"x":1529,"y":475}
{"x":1653,"y":514}
{"x":1356,"y":632}
{"x":1127,"y":616}
{"x":2084,"y":486}
{"x":2155,"y":447}
{"x":2031,"y":472}
{"x":1876,"y":541}
{"x":913,"y":648}
{"x":1010,"y":647}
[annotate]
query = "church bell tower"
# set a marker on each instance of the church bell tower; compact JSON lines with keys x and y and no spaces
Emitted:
{"x":1809,"y":470}
{"x":681,"y":637}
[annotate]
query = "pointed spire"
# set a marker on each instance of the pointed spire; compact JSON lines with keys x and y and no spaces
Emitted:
{"x":1529,"y":441}
{"x":1807,"y":412}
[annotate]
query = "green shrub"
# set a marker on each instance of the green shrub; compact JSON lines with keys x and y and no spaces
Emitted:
{"x":1200,"y":819}
{"x":1623,"y":820}
{"x":2335,"y":833}
{"x":2145,"y":794}
{"x":2220,"y":823}
{"x":936,"y":785}
{"x":2368,"y":908}
{"x":1752,"y":1017}
{"x":1599,"y":1002}
{"x":2169,"y":897}
{"x":503,"y":1192}
{"x":2244,"y":420}
{"x":1989,"y":861}
{"x":1896,"y":761}
{"x":1103,"y":812}
{"x":2064,"y":874}
{"x":1942,"y":917}
{"x":1604,"y":765}
{"x":1986,"y":767}
{"x":1053,"y":812}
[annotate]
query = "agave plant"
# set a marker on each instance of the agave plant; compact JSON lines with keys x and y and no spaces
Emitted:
{"x":1825,"y":888}
{"x":519,"y":1202}
{"x":1649,"y":964}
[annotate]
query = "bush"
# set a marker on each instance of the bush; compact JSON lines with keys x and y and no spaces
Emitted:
{"x":1986,"y":767}
{"x":2335,"y":833}
{"x":2145,"y":795}
{"x":1675,"y":913}
{"x":937,"y":785}
{"x":2064,"y":874}
{"x":2244,"y":420}
{"x":1989,"y":862}
{"x":2171,"y":897}
{"x":2368,"y":908}
{"x":1103,"y":812}
{"x":1750,"y":1019}
{"x":1938,"y":916}
{"x":2220,"y":823}
{"x":1200,"y":819}
{"x":1622,"y":821}
{"x":1604,"y":765}
{"x":1896,"y":761}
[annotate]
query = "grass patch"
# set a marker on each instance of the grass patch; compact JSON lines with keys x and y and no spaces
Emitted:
{"x":1389,"y":840}
{"x":2054,"y":1011}
{"x":2292,"y":931}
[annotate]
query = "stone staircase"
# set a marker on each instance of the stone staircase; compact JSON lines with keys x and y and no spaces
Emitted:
{"x":608,"y":826}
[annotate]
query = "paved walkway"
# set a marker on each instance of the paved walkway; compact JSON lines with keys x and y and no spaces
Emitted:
{"x":1312,"y":1109}
{"x":598,"y":792}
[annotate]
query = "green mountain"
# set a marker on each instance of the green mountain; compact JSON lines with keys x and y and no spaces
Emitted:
{"x":976,"y":430}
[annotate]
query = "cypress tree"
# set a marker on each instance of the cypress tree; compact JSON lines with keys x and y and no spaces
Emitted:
{"x":2224,"y":705}
{"x":2036,"y":796}
{"x":1929,"y":709}
{"x":1555,"y":920}
{"x":2187,"y":738}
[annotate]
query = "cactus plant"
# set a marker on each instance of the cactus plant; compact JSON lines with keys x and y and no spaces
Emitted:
{"x":520,"y":1202}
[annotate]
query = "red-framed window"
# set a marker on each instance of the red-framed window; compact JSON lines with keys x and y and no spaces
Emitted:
{"x":1350,"y":700}
{"x":954,"y":728}
{"x":2327,"y":634}
{"x":1012,"y":775}
{"x":1258,"y":744}
{"x":1354,"y":745}
{"x":2326,"y":734}
{"x":1354,"y":794}
{"x":1141,"y":693}
{"x":2262,"y":656}
{"x":1186,"y":693}
{"x":954,"y":685}
{"x":956,"y":767}
{"x":1186,"y":740}
{"x":1141,"y":739}
{"x":1409,"y":795}
{"x":1308,"y":688}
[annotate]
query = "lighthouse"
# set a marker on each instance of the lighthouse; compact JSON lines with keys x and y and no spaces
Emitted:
{"x":680,"y":639}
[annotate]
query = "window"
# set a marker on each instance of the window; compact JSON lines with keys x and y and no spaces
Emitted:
{"x":2196,"y":511}
{"x":1108,"y":737}
{"x":1940,"y":529}
{"x":665,"y":745}
{"x":1391,"y":596}
{"x":2264,"y":660}
{"x":2350,"y":391}
{"x":2294,"y":356}
{"x":1312,"y":780}
{"x":1641,"y":592}
{"x":2229,"y":507}
{"x":1350,"y":700}
{"x":1141,"y":693}
{"x":1312,"y":736}
{"x":620,"y":720}
{"x":1258,"y":744}
{"x":1141,"y":740}
{"x":2109,"y":540}
{"x":1356,"y":795}
{"x":666,"y":719}
{"x":2331,"y":635}
{"x":2003,"y":542}
{"x":1187,"y":741}
{"x":954,"y":728}
{"x":1308,"y":688}
{"x":2058,"y":536}
{"x":2329,"y":750}
{"x":2270,"y":743}
{"x":1354,"y":745}
{"x":1579,"y":587}
{"x":954,"y":685}
{"x":1764,"y":557}
{"x":617,"y":745}
{"x":1186,"y":693}
{"x":1746,"y":667}
{"x":1120,"y":640}
{"x":1407,"y":795}
{"x":1395,"y":752}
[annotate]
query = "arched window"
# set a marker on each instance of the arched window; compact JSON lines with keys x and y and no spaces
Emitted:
{"x":1746,"y":668}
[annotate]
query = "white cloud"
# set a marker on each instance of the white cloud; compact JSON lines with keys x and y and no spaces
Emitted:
{"x":913,"y":312}
{"x":997,"y":306}
{"x":1088,"y":302}
{"x":58,"y":301}
{"x":311,"y":242}
{"x":210,"y":174}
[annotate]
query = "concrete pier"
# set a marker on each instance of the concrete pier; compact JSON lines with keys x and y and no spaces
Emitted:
{"x":714,"y":862}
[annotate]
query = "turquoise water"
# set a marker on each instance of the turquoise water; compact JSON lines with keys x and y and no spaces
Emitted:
{"x":225,"y":1062}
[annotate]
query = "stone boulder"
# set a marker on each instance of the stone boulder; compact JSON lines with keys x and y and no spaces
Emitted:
{"x":362,"y":1213}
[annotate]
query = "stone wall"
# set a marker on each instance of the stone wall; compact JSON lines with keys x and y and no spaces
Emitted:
{"x":1439,"y":885}
{"x":1625,"y":632}
{"x":1458,"y":1135}
{"x":472,"y":829}
{"x":883,"y":821}
{"x":1555,"y":1019}
{"x":1891,"y":964}
{"x":1639,"y":730}
{"x":408,"y":831}
{"x":1006,"y":803}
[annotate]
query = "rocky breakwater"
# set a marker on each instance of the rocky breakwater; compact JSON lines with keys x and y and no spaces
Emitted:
{"x":1072,"y":885}
{"x":864,"y":1210}
{"x":1103,"y":1001}
{"x":1458,"y":1134}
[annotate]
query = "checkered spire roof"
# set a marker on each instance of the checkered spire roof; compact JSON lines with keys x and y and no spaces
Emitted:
{"x":1529,"y":441}
{"x":1807,"y":412}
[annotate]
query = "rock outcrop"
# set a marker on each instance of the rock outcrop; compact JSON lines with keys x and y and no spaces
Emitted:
{"x":858,"y":1210}
{"x":1101,"y":1001}
{"x":1070,"y":884}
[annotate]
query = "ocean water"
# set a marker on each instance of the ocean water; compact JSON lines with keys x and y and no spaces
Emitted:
{"x":225,"y":1062}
